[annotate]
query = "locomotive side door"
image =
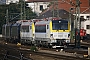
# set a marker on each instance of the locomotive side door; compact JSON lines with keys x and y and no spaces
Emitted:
{"x":47,"y":34}
{"x":30,"y":31}
{"x":47,"y":31}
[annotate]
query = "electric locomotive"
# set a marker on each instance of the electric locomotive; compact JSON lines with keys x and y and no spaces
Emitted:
{"x":27,"y":32}
{"x":52,"y":33}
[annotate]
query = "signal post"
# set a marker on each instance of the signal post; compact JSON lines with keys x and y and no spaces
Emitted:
{"x":77,"y":25}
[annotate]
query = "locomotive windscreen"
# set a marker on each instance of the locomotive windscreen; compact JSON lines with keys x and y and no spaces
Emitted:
{"x":60,"y":25}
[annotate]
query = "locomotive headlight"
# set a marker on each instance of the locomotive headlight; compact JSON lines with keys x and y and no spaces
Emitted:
{"x":68,"y":35}
{"x":59,"y":21}
{"x":51,"y":35}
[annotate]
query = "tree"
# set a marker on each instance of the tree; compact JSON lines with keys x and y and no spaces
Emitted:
{"x":2,"y":16}
{"x":14,"y":12}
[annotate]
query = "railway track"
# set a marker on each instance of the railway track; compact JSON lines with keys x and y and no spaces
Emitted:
{"x":11,"y":52}
{"x":11,"y":48}
{"x":59,"y":56}
{"x":56,"y":55}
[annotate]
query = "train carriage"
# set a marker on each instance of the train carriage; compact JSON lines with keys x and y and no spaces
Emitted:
{"x":27,"y":32}
{"x":15,"y":33}
{"x":55,"y":33}
{"x":8,"y":32}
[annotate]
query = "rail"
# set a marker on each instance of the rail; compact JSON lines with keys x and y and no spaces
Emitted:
{"x":9,"y":53}
{"x":7,"y":56}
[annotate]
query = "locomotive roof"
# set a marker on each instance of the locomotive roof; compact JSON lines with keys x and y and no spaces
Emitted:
{"x":47,"y":22}
{"x":49,"y":13}
{"x":9,"y":24}
{"x":26,"y":23}
{"x":42,"y":22}
{"x":16,"y":24}
{"x":61,"y":20}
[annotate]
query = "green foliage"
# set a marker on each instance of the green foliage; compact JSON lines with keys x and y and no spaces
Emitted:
{"x":14,"y":12}
{"x":2,"y":15}
{"x":33,"y":48}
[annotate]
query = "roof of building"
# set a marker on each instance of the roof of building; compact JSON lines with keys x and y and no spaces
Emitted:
{"x":63,"y":8}
{"x":56,"y":13}
{"x":61,"y":13}
{"x":67,"y":4}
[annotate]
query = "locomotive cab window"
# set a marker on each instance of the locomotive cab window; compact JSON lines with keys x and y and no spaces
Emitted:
{"x":25,"y":28}
{"x":87,"y":26}
{"x":59,"y":25}
{"x":64,"y":26}
{"x":40,"y":28}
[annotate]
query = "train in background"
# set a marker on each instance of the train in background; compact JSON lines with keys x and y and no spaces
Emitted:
{"x":86,"y":25}
{"x":83,"y":35}
{"x":50,"y":32}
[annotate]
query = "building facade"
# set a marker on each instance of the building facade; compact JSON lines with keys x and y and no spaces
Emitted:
{"x":11,"y":1}
{"x":38,"y":7}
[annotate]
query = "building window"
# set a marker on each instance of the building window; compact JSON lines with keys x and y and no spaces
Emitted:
{"x":88,"y":17}
{"x":41,"y":7}
{"x":82,"y":16}
{"x":87,"y":26}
